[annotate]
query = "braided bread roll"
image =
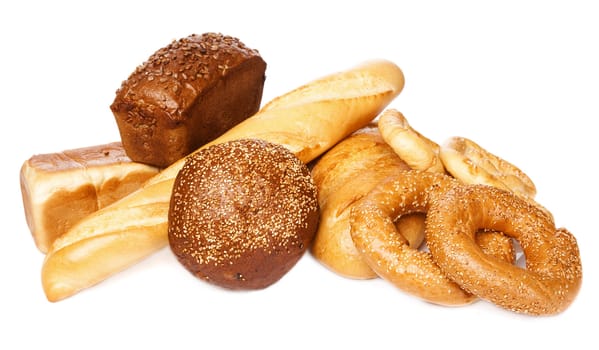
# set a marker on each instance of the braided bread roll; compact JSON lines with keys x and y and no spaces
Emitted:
{"x":308,"y":121}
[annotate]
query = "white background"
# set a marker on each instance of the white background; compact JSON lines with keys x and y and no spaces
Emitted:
{"x":519,"y":77}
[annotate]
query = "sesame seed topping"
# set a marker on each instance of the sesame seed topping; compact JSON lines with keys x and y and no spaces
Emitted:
{"x":235,"y":201}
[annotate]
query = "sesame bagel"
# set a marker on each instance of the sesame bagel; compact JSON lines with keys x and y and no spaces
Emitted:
{"x":552,"y":276}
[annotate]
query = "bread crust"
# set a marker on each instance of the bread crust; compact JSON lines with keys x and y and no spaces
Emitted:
{"x":307,"y":124}
{"x":61,"y":188}
{"x":242,"y":213}
{"x":343,"y":175}
{"x":187,"y":94}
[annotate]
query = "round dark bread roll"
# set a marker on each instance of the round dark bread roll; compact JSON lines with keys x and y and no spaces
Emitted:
{"x":242,"y":213}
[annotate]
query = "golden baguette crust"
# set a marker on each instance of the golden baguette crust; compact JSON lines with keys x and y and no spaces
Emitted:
{"x":303,"y":121}
{"x":61,"y":188}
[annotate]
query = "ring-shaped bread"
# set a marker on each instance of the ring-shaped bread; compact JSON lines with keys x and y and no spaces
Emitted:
{"x":388,"y":253}
{"x":342,"y":175}
{"x":553,"y":272}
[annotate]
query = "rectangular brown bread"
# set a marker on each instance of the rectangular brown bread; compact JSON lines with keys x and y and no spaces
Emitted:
{"x":187,"y":94}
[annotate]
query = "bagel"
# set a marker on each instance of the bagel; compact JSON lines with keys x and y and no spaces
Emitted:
{"x":553,"y":272}
{"x":387,"y":252}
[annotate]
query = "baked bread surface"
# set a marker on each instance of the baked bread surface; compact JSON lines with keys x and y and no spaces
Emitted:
{"x":242,"y":213}
{"x":187,"y":94}
{"x":61,"y":188}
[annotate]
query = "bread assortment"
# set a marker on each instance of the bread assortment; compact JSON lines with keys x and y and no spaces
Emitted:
{"x":344,"y":176}
{"x":385,"y":249}
{"x":473,"y":218}
{"x":187,"y":94}
{"x":243,"y":191}
{"x":307,"y":124}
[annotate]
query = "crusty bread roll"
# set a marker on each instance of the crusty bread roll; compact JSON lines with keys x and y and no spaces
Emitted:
{"x":187,"y":94}
{"x":242,"y":213}
{"x":307,"y":121}
{"x":59,"y":189}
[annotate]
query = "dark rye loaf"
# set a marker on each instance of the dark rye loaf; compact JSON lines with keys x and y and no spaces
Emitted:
{"x":187,"y":94}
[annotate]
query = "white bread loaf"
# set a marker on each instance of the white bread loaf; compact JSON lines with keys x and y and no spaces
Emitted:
{"x":308,"y":121}
{"x":61,"y":188}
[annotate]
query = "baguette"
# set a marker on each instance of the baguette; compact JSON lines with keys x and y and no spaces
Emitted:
{"x":308,"y":121}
